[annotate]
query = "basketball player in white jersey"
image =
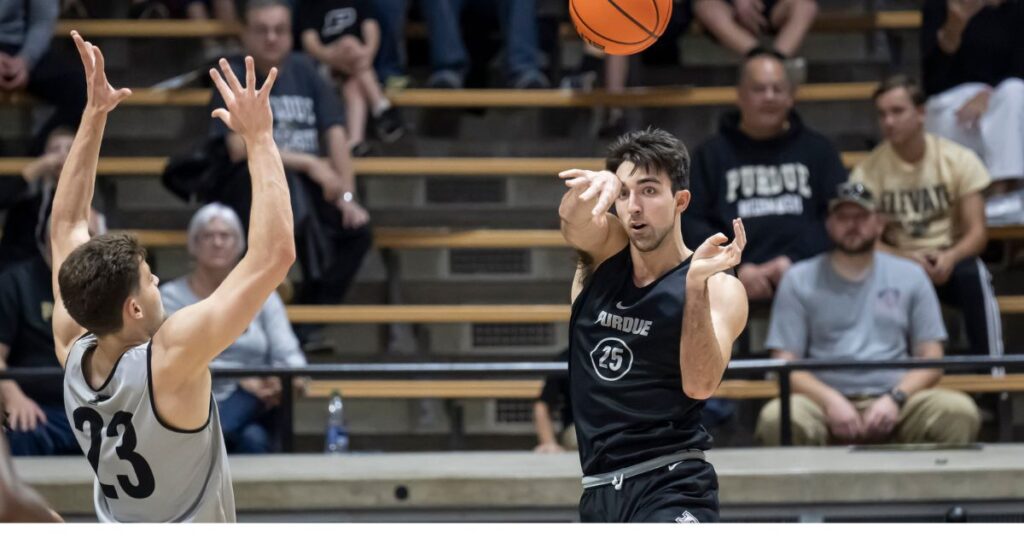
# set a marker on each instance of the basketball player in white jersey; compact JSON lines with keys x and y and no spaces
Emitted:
{"x":137,"y":387}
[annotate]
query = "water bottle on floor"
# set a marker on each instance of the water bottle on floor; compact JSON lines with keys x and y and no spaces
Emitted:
{"x":337,"y":434}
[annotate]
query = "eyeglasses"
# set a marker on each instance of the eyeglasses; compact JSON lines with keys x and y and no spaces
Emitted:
{"x":221,"y":237}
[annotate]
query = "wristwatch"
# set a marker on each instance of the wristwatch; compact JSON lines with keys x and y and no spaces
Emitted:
{"x":347,"y":196}
{"x":897,"y":396}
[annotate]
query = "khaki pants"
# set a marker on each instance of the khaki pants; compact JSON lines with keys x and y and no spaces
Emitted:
{"x":568,"y":438}
{"x":929,"y":416}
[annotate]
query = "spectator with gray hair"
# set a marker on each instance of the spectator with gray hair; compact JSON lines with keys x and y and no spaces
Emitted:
{"x":216,"y":244}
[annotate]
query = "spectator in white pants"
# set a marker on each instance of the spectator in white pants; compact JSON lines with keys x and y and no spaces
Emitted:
{"x":973,"y":67}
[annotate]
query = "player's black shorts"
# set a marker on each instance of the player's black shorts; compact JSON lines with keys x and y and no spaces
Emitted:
{"x":686,"y":493}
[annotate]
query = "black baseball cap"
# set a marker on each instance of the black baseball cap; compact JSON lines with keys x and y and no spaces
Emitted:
{"x":854,"y":193}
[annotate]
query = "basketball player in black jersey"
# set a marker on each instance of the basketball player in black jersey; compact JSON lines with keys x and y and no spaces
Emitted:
{"x":652,"y":329}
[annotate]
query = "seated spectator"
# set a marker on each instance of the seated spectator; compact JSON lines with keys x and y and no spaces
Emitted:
{"x":972,"y":54}
{"x":449,"y":59}
{"x":27,"y":200}
{"x":332,"y":233}
{"x":391,"y":61}
{"x":27,"y":62}
{"x":216,"y":244}
{"x":741,"y":25}
{"x":37,"y":423}
{"x":767,"y":168}
{"x":858,"y":303}
{"x":930,"y":189}
{"x":554,"y":398}
{"x":344,"y":36}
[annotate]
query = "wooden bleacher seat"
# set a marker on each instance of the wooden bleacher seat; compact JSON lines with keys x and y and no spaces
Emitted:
{"x":406,"y":238}
{"x":525,"y":389}
{"x":129,"y":28}
{"x":390,"y":166}
{"x":662,"y":96}
{"x":411,"y":238}
{"x":482,"y":313}
{"x":1011,"y":304}
{"x":145,"y":28}
{"x":430,"y":313}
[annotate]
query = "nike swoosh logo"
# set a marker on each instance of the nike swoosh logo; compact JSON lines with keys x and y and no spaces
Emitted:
{"x":99,"y":399}
{"x":621,"y":306}
{"x":674,"y":465}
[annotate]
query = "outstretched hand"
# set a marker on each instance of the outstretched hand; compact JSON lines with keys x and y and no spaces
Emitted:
{"x":101,"y":95}
{"x":713,"y":256}
{"x":603,"y":185}
{"x":246,"y":111}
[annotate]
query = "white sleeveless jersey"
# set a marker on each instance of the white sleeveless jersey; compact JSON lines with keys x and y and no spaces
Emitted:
{"x":146,"y":471}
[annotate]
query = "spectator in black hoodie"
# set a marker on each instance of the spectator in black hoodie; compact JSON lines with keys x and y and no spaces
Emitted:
{"x":767,"y":168}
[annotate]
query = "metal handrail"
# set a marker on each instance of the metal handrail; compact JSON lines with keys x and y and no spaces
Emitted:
{"x":449,"y":370}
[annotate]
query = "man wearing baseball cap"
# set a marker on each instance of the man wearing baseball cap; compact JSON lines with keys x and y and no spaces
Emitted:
{"x":854,"y":302}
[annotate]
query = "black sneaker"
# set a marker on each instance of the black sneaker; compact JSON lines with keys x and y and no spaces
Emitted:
{"x":531,"y":80}
{"x":389,"y":125}
{"x":614,"y":124}
{"x":361,"y":149}
{"x":319,"y":347}
{"x":445,"y":79}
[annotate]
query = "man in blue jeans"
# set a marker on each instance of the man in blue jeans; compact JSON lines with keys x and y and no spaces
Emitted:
{"x":449,"y":59}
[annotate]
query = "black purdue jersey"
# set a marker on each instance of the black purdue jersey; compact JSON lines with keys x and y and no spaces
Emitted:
{"x":625,"y":384}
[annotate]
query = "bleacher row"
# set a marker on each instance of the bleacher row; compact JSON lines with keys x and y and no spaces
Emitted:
{"x":96,"y":28}
{"x":415,"y":238}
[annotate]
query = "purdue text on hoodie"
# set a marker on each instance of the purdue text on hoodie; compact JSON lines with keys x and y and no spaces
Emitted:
{"x":780,"y":187}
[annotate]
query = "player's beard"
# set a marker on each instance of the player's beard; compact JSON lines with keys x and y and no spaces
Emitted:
{"x":650,"y":240}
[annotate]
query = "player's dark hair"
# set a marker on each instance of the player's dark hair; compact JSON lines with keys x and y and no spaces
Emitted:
{"x":652,"y":150}
{"x":901,"y":81}
{"x":253,"y":5}
{"x":97,"y":278}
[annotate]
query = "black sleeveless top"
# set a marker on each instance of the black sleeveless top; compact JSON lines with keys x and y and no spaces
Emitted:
{"x":625,"y":384}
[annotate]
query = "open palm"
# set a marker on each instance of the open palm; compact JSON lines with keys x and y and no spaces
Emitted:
{"x":101,"y":95}
{"x":246,"y":111}
{"x":714,"y":256}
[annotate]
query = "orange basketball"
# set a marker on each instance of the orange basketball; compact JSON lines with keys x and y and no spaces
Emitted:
{"x":620,"y":26}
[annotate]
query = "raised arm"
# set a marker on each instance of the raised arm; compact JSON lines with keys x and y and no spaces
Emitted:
{"x":69,"y":220}
{"x":192,"y":337}
{"x":715,"y":313}
{"x":586,"y":223}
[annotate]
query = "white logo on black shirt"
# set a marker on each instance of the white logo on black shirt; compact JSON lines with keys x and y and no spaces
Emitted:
{"x":625,"y":324}
{"x":760,"y":190}
{"x":612,"y":359}
{"x":687,"y":517}
{"x":337,"y":21}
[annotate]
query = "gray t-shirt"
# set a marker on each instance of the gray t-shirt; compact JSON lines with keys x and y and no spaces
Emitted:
{"x":269,"y":340}
{"x":303,"y":102}
{"x":818,"y":314}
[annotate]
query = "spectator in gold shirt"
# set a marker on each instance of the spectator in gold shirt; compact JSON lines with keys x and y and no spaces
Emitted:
{"x":930,"y":189}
